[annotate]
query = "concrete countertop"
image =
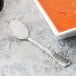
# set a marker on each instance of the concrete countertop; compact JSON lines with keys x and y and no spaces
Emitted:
{"x":22,"y":58}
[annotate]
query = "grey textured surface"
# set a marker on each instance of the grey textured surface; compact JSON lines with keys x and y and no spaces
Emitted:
{"x":22,"y":58}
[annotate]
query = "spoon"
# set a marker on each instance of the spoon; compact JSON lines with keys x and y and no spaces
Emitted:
{"x":20,"y":31}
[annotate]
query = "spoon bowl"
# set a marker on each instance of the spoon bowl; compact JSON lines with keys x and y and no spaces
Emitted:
{"x":18,"y":29}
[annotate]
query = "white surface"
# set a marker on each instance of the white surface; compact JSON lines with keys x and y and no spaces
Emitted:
{"x":22,"y":58}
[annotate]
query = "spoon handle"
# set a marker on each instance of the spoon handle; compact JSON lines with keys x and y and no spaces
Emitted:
{"x":61,"y":60}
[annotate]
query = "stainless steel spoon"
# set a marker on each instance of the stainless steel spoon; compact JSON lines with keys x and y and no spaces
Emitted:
{"x":20,"y":31}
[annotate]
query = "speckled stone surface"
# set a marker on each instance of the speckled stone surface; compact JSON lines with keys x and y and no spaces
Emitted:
{"x":22,"y":58}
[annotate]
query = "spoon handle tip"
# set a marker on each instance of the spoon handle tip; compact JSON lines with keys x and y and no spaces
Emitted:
{"x":61,"y":60}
